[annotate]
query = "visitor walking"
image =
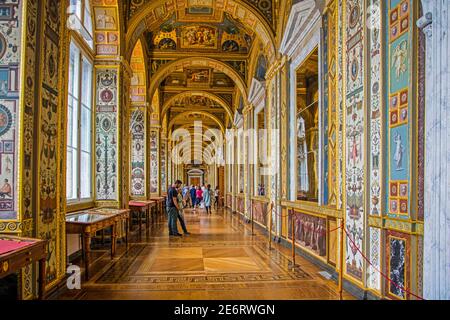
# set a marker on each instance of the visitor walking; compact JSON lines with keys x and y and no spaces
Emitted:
{"x":207,"y":198}
{"x":186,"y":195}
{"x":199,"y":196}
{"x":193,"y":196}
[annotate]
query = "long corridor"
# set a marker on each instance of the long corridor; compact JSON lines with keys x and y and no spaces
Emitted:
{"x":219,"y":260}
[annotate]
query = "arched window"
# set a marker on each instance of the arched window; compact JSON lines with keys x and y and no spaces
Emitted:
{"x":79,"y":106}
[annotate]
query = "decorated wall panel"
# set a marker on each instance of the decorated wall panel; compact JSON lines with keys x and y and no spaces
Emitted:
{"x":330,"y":139}
{"x":310,"y":232}
{"x":355,"y":142}
{"x":163,"y":155}
{"x":30,"y":88}
{"x":50,"y":221}
{"x":154,"y":161}
{"x":400,"y":109}
{"x":138,"y":152}
{"x":106,"y":22}
{"x":397,"y":261}
{"x":10,"y":51}
{"x":106,"y":134}
{"x":259,"y":211}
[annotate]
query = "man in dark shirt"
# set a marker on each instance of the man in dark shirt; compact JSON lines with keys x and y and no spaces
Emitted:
{"x":172,"y":208}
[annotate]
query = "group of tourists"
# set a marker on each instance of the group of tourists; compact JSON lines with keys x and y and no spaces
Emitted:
{"x":194,"y":197}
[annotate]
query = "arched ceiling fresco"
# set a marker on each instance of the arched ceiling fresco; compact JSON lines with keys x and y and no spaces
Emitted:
{"x":230,"y":25}
{"x":206,"y":9}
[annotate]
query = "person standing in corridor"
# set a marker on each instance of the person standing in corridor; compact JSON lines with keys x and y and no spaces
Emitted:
{"x":207,"y":198}
{"x":173,"y":208}
{"x":193,"y":197}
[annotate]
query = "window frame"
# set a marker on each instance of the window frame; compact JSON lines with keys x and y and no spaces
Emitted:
{"x":84,"y":55}
{"x":262,"y":109}
{"x":294,"y":113}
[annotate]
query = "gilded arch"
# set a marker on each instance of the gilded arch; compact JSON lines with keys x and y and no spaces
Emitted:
{"x":201,"y":113}
{"x":217,"y":65}
{"x":167,"y":105}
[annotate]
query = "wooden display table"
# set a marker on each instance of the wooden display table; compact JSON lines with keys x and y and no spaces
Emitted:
{"x":141,"y":207}
{"x":160,"y":203}
{"x":121,"y":216}
{"x":153,"y":208}
{"x":17,"y":252}
{"x":87,"y":223}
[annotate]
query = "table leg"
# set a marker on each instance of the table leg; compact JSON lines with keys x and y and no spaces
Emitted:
{"x":127,"y":221}
{"x":87,"y":250}
{"x":140,"y":220}
{"x":42,"y":273}
{"x":113,"y":240}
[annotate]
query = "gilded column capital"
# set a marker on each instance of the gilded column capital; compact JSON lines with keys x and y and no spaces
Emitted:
{"x":247,"y":109}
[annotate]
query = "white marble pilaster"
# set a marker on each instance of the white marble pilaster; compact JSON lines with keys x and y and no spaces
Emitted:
{"x":435,"y":24}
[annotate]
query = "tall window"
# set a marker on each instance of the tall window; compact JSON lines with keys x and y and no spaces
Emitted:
{"x":80,"y":19}
{"x":307,"y":129}
{"x":79,"y":131}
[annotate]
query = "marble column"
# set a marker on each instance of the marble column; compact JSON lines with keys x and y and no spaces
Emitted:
{"x":435,"y":25}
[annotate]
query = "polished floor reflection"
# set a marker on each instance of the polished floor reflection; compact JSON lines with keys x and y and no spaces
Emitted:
{"x":219,"y":260}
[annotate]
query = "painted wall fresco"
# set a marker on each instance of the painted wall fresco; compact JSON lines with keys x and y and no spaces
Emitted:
{"x":138,"y":152}
{"x":310,"y":232}
{"x":400,"y":103}
{"x":154,"y":161}
{"x":355,"y":142}
{"x":163,"y":155}
{"x":10,"y":51}
{"x":51,"y":223}
{"x":28,"y":131}
{"x":259,"y":210}
{"x":106,"y":22}
{"x":106,"y":134}
{"x":375,"y":142}
{"x":138,"y":122}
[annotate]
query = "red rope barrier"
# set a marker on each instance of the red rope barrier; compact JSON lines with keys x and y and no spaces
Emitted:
{"x":362,"y":254}
{"x":380,"y":272}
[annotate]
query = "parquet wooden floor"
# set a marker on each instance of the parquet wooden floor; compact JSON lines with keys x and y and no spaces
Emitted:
{"x":219,"y":260}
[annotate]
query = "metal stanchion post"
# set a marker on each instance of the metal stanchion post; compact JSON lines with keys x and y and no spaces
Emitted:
{"x":293,"y":240}
{"x":270,"y":221}
{"x":341,"y":261}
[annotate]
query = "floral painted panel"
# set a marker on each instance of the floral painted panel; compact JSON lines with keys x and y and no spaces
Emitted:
{"x":10,"y":30}
{"x":154,"y":168}
{"x":138,"y":152}
{"x":355,"y":122}
{"x":106,"y":134}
